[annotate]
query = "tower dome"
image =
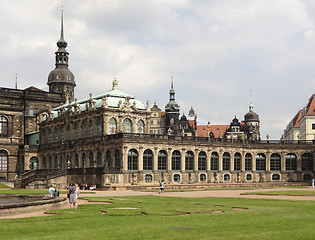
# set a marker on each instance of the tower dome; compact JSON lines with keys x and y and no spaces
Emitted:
{"x":61,"y":80}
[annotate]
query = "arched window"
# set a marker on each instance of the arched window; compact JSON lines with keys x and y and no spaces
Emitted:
{"x":43,"y":136}
{"x":132,"y":159}
{"x":307,"y":162}
{"x":117,"y":158}
{"x":68,"y":133}
{"x":202,"y":177}
{"x":76,"y":160}
{"x":112,"y":126}
{"x":99,"y":159}
{"x":108,"y":159}
{"x":3,"y":126}
{"x":99,"y":127}
{"x":56,"y":135}
{"x":49,"y":136}
{"x":83,"y":129}
{"x":275,"y":162}
{"x":91,"y":128}
{"x":237,"y":161}
{"x":62,"y":133}
{"x":176,"y":177}
{"x":147,"y":160}
{"x":83,"y":159}
{"x":226,"y":177}
{"x":290,"y":162}
{"x":140,"y":126}
{"x":91,"y":159}
{"x":248,"y":162}
{"x":50,"y":163}
{"x":44,"y":163}
{"x":56,"y":162}
{"x":148,"y":178}
{"x":260,"y":162}
{"x":76,"y":131}
{"x":3,"y":161}
{"x":127,"y":125}
{"x":34,"y":163}
{"x":214,"y":161}
{"x":202,"y":161}
{"x":162,"y":160}
{"x":226,"y":161}
{"x":176,"y":160}
{"x":189,"y":160}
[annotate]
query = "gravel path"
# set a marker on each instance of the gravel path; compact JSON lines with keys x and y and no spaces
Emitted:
{"x":195,"y":194}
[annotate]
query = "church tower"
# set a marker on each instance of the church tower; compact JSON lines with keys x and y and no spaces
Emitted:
{"x":172,"y":114}
{"x":61,"y":80}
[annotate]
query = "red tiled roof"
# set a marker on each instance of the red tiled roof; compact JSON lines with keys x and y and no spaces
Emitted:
{"x":202,"y":130}
{"x":310,"y":108}
{"x":192,"y":123}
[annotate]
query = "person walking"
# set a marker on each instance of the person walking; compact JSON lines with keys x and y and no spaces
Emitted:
{"x":161,"y":187}
{"x":313,"y":183}
{"x":72,"y":196}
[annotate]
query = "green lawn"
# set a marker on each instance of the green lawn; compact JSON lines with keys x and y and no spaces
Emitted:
{"x":160,"y":217}
{"x":3,"y":186}
{"x":285,"y":193}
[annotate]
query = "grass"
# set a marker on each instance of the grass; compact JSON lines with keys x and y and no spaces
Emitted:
{"x":3,"y":186}
{"x":216,"y":189}
{"x":157,"y":217}
{"x":34,"y":191}
{"x":284,"y":193}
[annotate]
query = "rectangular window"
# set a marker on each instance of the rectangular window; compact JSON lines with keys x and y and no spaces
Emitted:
{"x":313,"y":126}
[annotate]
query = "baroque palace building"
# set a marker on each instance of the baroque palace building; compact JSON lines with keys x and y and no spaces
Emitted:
{"x":113,"y":139}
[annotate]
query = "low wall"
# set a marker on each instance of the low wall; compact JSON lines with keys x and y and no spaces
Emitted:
{"x":43,"y":205}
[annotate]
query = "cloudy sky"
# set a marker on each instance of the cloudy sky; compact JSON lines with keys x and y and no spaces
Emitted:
{"x":218,"y":51}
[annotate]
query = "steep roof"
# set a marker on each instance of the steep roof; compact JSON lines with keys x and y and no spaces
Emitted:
{"x":310,"y":108}
{"x":202,"y":130}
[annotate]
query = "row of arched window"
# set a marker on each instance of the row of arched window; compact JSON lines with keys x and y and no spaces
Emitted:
{"x":86,"y":129}
{"x":275,"y":161}
{"x":88,"y":159}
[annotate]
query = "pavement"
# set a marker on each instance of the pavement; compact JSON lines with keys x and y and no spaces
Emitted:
{"x":191,"y":194}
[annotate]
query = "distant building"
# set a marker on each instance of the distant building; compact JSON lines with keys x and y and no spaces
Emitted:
{"x":113,"y":139}
{"x":302,"y":126}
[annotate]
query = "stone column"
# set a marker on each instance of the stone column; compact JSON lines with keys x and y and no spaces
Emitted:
{"x":140,"y":159}
{"x":105,"y":124}
{"x":208,"y":167}
{"x":283,"y":168}
{"x":220,"y":161}
{"x":253,"y":162}
{"x":268,"y":161}
{"x":155,"y":159}
{"x":196,"y":154}
{"x":182,"y":160}
{"x":169,"y":159}
{"x":232,"y":161}
{"x":125,"y":159}
{"x":243,"y":161}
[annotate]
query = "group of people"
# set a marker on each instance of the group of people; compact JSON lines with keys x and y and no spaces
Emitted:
{"x":53,"y":192}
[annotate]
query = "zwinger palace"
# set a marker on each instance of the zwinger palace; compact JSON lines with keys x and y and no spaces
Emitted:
{"x":113,"y":139}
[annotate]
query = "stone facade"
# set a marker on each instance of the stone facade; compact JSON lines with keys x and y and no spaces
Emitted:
{"x":20,"y":112}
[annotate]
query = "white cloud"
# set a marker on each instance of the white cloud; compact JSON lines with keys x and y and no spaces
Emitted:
{"x":217,"y":52}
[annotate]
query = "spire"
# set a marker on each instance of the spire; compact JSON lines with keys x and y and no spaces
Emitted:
{"x":16,"y":81}
{"x":115,"y":84}
{"x":61,"y":80}
{"x":251,"y":107}
{"x":172,"y":91}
